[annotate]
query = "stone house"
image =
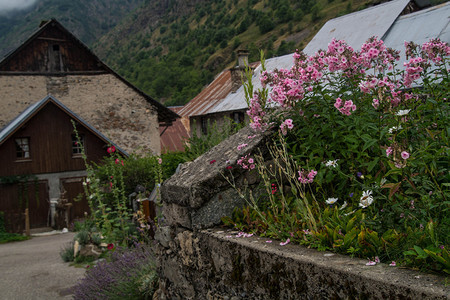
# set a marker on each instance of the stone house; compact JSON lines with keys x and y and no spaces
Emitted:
{"x":42,"y":164}
{"x":53,"y":61}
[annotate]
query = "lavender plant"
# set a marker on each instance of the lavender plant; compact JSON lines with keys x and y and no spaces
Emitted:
{"x":129,"y":273}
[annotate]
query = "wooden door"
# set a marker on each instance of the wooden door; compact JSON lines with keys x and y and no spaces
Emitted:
{"x":14,"y":198}
{"x":74,"y":193}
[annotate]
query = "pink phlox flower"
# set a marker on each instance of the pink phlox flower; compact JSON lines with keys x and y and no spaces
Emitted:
{"x":371,"y":263}
{"x":405,"y":155}
{"x":375,"y":103}
{"x":285,"y":243}
{"x":392,"y":264}
{"x":268,"y":241}
{"x":116,"y":161}
{"x":159,"y":160}
{"x":309,"y":178}
{"x":287,"y":124}
{"x":389,"y":151}
{"x":377,"y":259}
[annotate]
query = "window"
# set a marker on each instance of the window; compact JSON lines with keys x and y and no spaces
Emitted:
{"x":23,"y":148}
{"x":238,"y":117}
{"x":77,"y":145}
{"x":204,"y":125}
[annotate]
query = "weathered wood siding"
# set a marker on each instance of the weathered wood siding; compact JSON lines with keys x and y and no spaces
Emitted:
{"x":50,"y":133}
{"x":14,"y":199}
{"x":53,"y":50}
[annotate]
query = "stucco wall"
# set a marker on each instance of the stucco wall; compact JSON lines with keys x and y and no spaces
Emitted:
{"x":103,"y":101}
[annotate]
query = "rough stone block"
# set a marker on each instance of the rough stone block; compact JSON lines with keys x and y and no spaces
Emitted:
{"x":203,"y":178}
{"x":222,"y":204}
{"x":176,"y":215}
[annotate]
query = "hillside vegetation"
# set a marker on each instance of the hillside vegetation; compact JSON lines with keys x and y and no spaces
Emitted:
{"x":171,"y":49}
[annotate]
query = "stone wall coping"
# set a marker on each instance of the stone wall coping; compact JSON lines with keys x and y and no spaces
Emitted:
{"x":393,"y":278}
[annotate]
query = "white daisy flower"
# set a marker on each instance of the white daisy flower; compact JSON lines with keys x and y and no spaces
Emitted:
{"x":331,"y":200}
{"x":366,"y":199}
{"x":403,"y":112}
{"x":332,"y":163}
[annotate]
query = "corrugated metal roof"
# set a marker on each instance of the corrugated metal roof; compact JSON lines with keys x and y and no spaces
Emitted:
{"x":419,"y":27}
{"x":209,"y":96}
{"x":172,"y":138}
{"x":381,"y":20}
{"x":357,"y":27}
{"x":28,"y":113}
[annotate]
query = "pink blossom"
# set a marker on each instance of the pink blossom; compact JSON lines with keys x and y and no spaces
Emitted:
{"x":392,"y":264}
{"x":389,"y":151}
{"x":371,"y":263}
{"x":405,"y":155}
{"x":309,"y":178}
{"x":286,"y":124}
{"x":159,"y":160}
{"x":239,"y":147}
{"x":285,"y":243}
{"x":111,"y":149}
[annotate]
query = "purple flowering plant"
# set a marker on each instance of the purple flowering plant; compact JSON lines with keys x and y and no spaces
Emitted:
{"x":129,"y":273}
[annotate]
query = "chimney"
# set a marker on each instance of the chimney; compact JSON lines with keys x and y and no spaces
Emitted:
{"x":242,"y":58}
{"x":238,"y":72}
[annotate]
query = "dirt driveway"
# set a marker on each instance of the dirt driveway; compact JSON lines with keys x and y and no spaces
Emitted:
{"x":33,"y":269}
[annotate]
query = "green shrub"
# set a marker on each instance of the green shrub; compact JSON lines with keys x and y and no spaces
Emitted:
{"x":66,"y":252}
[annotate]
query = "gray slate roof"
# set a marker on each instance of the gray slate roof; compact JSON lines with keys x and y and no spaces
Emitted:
{"x":28,"y":113}
{"x":381,"y":20}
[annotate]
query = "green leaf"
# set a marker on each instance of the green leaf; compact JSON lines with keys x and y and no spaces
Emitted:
{"x":372,"y":164}
{"x":422,"y":254}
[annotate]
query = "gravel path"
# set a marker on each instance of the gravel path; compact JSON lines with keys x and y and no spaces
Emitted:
{"x":33,"y":269}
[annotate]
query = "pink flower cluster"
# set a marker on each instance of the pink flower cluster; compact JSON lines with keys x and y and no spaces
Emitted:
{"x":435,"y":50}
{"x":256,"y":113}
{"x":246,"y":162}
{"x":413,"y":69}
{"x":347,"y":108}
{"x":306,"y":178}
{"x":287,"y":124}
{"x":338,"y":63}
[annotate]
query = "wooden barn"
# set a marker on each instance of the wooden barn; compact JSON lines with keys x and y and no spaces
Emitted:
{"x":53,"y":61}
{"x":42,"y":166}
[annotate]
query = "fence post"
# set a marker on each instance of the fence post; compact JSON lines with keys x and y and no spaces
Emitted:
{"x":27,"y":222}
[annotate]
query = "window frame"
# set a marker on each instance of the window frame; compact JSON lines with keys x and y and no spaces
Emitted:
{"x":75,"y":148}
{"x":21,"y":153}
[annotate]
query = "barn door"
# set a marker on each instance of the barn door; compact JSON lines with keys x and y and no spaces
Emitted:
{"x":14,"y":198}
{"x":74,"y":193}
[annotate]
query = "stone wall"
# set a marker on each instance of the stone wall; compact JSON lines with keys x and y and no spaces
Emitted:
{"x":104,"y":101}
{"x":197,"y":260}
